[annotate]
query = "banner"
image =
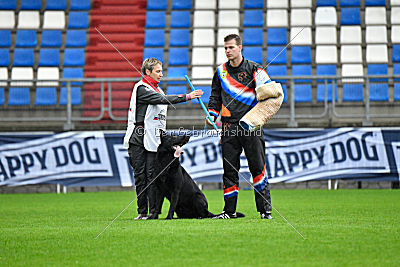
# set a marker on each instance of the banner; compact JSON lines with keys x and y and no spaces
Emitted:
{"x":99,"y":159}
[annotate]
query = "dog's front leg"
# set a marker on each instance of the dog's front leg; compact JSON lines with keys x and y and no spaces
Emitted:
{"x":172,"y":206}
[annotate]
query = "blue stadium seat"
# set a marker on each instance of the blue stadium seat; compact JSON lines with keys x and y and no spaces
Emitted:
{"x":154,"y":38}
{"x":302,"y":88}
{"x":19,"y":96}
{"x":5,"y":38}
{"x":180,"y":19}
{"x":31,"y":5}
{"x":75,"y":96}
{"x":276,"y":36}
{"x":74,"y":57}
{"x":347,"y":3}
{"x":302,"y":70}
{"x":73,"y":73}
{"x":276,"y":55}
{"x":253,"y":4}
{"x":79,"y":5}
{"x":156,"y":4}
{"x":176,"y":90}
{"x":26,"y":38}
{"x":56,"y":4}
{"x":277,"y":70}
{"x":375,"y":2}
{"x":76,"y":38}
{"x":157,"y":53}
{"x":396,"y":71}
{"x":178,"y":56}
{"x":253,"y":18}
{"x":378,"y":91}
{"x":51,"y":38}
{"x":253,"y":54}
{"x":181,"y":4}
{"x":396,"y":53}
{"x":350,"y":16}
{"x":177,"y":72}
{"x":352,"y":92}
{"x":301,"y":54}
{"x":155,"y":19}
{"x":253,"y":36}
{"x":78,"y":20}
{"x":8,"y":4}
{"x":2,"y":98}
{"x":179,"y":37}
{"x":46,"y":96}
{"x":49,"y":57}
{"x":23,"y":57}
{"x":326,"y":2}
{"x":326,"y":70}
{"x":378,"y":69}
{"x":4,"y":57}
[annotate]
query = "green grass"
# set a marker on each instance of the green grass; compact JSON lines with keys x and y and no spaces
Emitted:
{"x":345,"y":227}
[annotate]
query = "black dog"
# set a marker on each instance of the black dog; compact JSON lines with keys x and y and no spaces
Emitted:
{"x":173,"y":182}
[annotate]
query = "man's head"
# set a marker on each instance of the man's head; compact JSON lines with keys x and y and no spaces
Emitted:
{"x":152,"y":67}
{"x":233,"y":47}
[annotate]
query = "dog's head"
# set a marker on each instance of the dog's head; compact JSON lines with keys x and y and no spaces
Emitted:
{"x":172,"y":144}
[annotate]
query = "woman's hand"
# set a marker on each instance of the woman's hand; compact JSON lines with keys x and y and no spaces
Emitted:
{"x":196,"y":94}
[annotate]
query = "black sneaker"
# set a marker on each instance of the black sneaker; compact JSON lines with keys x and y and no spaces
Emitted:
{"x":266,"y":215}
{"x":225,"y":215}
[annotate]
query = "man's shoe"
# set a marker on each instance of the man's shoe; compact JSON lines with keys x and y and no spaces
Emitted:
{"x":141,"y":217}
{"x":225,"y":215}
{"x":266,"y":215}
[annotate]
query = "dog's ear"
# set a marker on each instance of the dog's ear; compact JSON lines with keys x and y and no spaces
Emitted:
{"x":162,"y":134}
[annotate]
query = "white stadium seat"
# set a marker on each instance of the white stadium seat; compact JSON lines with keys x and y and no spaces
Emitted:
{"x":229,"y":18}
{"x":395,"y":2}
{"x":377,"y":54}
{"x":303,"y":38}
{"x":325,"y":35}
{"x":22,"y":73}
{"x":277,"y":4}
{"x":3,"y":76}
{"x":203,"y":56}
{"x":48,"y":73}
{"x":204,"y":18}
{"x":203,"y":37}
{"x":221,"y":57}
{"x":375,"y":16}
{"x":396,"y":34}
{"x":28,"y":20}
{"x":300,"y":17}
{"x":228,"y":4}
{"x":376,"y":35}
{"x":224,"y":32}
{"x":349,"y":70}
{"x":202,"y":73}
{"x":205,"y":4}
{"x":7,"y":19}
{"x":300,"y":3}
{"x":326,"y":54}
{"x":325,"y":16}
{"x":351,"y":54}
{"x":54,"y":20}
{"x":350,"y":35}
{"x":277,"y":18}
{"x":395,"y":15}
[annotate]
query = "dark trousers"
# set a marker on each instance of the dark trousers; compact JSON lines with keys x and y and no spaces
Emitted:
{"x":141,"y":161}
{"x":234,"y":140}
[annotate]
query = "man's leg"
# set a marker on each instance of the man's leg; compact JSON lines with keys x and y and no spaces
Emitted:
{"x":150,"y":157}
{"x":137,"y":159}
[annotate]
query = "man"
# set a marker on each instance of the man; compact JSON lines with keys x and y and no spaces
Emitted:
{"x":233,"y":94}
{"x":146,"y":116}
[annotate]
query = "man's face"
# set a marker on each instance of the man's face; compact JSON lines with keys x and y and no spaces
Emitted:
{"x":156,"y":74}
{"x":232,"y":50}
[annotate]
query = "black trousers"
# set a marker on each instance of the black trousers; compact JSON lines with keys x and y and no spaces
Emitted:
{"x":234,"y":140}
{"x":141,"y":161}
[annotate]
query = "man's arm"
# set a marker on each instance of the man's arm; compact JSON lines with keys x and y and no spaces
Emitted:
{"x":260,"y":77}
{"x":215,"y":101}
{"x":146,"y":96}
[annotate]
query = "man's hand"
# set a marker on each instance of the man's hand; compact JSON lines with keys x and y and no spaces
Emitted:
{"x":209,"y":122}
{"x":196,"y":94}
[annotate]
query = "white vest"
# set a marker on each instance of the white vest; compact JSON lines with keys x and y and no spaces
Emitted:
{"x":154,"y":120}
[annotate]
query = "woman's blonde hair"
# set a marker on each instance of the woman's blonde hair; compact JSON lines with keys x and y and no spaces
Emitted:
{"x":149,"y":64}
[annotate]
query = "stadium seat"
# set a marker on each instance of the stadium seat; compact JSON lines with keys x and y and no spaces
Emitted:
{"x":396,"y":53}
{"x":19,"y":97}
{"x":2,"y":98}
{"x":203,"y":73}
{"x":56,"y":4}
{"x":253,"y":18}
{"x":79,"y":5}
{"x":253,"y":36}
{"x":73,"y":73}
{"x":396,"y":34}
{"x":49,"y":57}
{"x":350,"y":16}
{"x":155,"y":19}
{"x":395,"y":2}
{"x":301,"y":54}
{"x":48,"y":73}
{"x":375,"y":16}
{"x":28,"y":20}
{"x":352,"y":87}
{"x":302,"y":93}
{"x":377,"y":54}
{"x":3,"y":76}
{"x":300,"y":3}
{"x":301,"y":17}
{"x":224,"y":32}
{"x":349,"y":3}
{"x":378,"y":91}
{"x":253,"y":53}
{"x":300,"y":36}
{"x":396,"y":71}
{"x":203,"y":18}
{"x":277,"y":4}
{"x":326,"y":54}
{"x":277,"y":70}
{"x":221,"y":57}
{"x":8,"y":4}
{"x":154,"y":38}
{"x":4,"y":57}
{"x":353,"y":92}
{"x":181,"y":4}
{"x":22,"y":73}
{"x":395,"y":15}
{"x":51,"y":38}
{"x":157,"y":53}
{"x":202,"y":56}
{"x":177,"y":72}
{"x":302,"y":70}
{"x":7,"y":19}
{"x":326,"y":3}
{"x":5,"y":38}
{"x":276,"y":55}
{"x":176,"y":90}
{"x":277,"y":18}
{"x":75,"y":96}
{"x":178,"y":56}
{"x":201,"y":4}
{"x":228,"y":18}
{"x":350,"y":35}
{"x":46,"y":96}
{"x":376,"y":35}
{"x":180,"y":19}
{"x":375,"y":2}
{"x":276,"y":36}
{"x":23,"y":57}
{"x":351,"y":54}
{"x":203,"y":37}
{"x":156,"y":4}
{"x":325,"y":70}
{"x":352,"y":70}
{"x":31,"y":5}
{"x":179,"y":37}
{"x":228,"y":4}
{"x":253,"y":4}
{"x":325,"y":16}
{"x":54,"y":20}
{"x":74,"y":57}
{"x":76,"y":38}
{"x":78,"y":20}
{"x":325,"y":35}
{"x":26,"y":38}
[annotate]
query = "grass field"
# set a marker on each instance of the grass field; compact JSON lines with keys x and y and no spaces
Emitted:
{"x":345,"y":227}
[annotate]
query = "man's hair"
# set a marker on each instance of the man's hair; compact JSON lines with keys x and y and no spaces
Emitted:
{"x":149,"y":64}
{"x":233,"y":37}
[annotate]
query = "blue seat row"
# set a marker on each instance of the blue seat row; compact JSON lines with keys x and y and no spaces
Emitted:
{"x":163,"y":4}
{"x":156,"y":19}
{"x":50,"y":5}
